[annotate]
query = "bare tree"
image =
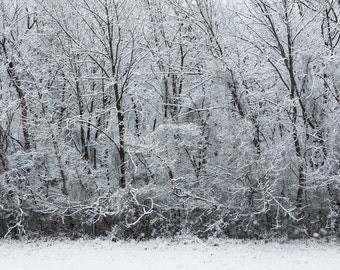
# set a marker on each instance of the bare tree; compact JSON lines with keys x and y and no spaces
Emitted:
{"x":14,"y":29}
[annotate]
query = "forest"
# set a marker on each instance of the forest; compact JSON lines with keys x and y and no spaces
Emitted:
{"x":138,"y":119}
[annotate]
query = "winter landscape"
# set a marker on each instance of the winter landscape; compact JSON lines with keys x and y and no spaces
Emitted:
{"x":182,"y":134}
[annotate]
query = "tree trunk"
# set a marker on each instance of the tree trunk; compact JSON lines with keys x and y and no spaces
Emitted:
{"x":17,"y":84}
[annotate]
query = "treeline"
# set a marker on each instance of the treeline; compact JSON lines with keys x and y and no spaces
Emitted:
{"x":140,"y":119}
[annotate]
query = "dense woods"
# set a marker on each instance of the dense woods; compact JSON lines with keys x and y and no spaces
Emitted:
{"x":147,"y":118}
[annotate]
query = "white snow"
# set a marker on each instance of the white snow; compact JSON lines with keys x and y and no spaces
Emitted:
{"x":169,"y":254}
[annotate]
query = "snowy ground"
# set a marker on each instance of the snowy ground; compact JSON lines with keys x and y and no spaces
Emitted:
{"x":166,"y":254}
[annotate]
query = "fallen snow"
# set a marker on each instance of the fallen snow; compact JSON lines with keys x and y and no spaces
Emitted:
{"x":168,"y":254}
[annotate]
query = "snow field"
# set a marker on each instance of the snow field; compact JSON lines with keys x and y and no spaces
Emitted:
{"x":166,"y":254}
